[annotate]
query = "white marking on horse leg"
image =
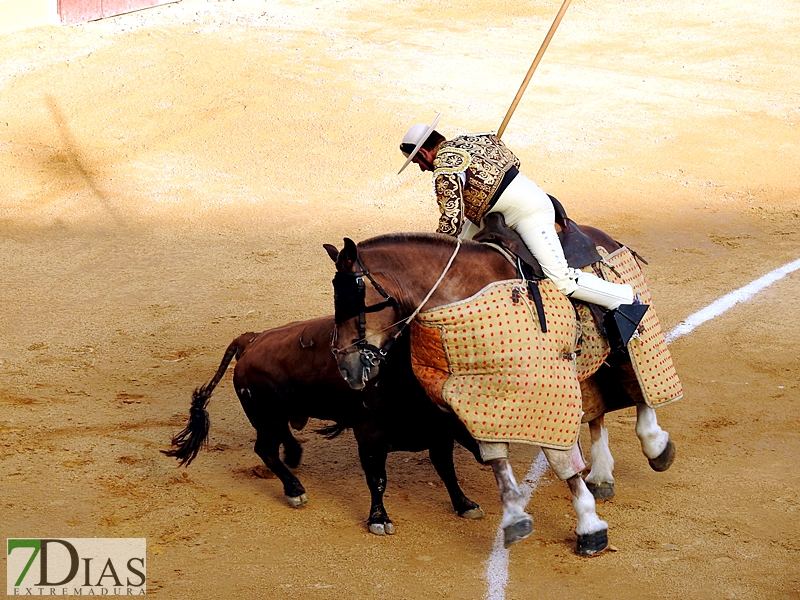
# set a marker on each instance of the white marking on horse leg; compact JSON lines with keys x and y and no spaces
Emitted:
{"x":654,"y":439}
{"x":583,"y":502}
{"x":510,"y":495}
{"x":497,"y":564}
{"x":602,"y":460}
{"x":565,"y":463}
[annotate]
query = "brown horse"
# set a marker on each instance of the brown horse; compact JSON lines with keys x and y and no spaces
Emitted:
{"x":405,"y":273}
{"x":286,"y":375}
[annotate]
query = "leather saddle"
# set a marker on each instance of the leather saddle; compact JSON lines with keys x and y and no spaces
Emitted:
{"x":579,"y":249}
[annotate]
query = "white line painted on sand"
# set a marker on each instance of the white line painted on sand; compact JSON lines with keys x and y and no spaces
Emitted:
{"x":729,"y":300}
{"x":497,"y":564}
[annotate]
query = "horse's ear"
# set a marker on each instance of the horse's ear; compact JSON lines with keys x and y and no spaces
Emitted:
{"x":347,"y":256}
{"x":333,"y":252}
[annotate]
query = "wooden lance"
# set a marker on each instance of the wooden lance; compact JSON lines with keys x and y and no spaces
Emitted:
{"x":535,"y":64}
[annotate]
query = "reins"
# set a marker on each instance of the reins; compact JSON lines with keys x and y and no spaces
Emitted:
{"x":371,"y":354}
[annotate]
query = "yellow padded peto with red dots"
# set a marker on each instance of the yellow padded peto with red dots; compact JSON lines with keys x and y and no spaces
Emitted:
{"x":487,"y":359}
{"x":650,"y":357}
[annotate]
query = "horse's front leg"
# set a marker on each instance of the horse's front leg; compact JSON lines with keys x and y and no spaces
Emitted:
{"x":600,"y":479}
{"x":656,"y":445}
{"x":591,"y":530}
{"x":516,"y":523}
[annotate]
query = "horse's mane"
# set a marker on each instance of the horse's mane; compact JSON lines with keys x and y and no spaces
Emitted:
{"x":434,"y":239}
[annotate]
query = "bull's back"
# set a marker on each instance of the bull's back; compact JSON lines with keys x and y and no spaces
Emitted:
{"x":293,"y":364}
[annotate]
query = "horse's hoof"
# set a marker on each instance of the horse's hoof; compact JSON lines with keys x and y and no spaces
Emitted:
{"x":386,"y":528}
{"x":472,"y":513}
{"x":592,"y":543}
{"x":517,"y":531}
{"x":297,"y":501}
{"x":601,"y":491}
{"x":664,"y":460}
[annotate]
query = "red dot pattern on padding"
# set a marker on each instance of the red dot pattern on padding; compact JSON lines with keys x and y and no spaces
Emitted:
{"x":593,"y":348}
{"x":487,"y":358}
{"x":650,"y":356}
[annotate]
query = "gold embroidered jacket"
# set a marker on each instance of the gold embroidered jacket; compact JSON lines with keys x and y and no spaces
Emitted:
{"x":467,"y":172}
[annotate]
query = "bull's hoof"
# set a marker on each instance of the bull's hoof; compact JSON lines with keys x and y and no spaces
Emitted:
{"x":386,"y":528}
{"x":517,"y":531}
{"x":592,"y":543}
{"x":663,"y":461}
{"x":297,"y":501}
{"x":472,"y":513}
{"x":601,"y":491}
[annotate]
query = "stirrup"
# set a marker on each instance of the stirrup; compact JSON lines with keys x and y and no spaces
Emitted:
{"x":621,"y":324}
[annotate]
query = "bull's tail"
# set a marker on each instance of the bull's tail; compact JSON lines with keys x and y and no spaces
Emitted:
{"x":187,"y":443}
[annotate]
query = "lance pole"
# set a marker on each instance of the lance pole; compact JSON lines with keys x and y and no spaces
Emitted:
{"x":535,"y":64}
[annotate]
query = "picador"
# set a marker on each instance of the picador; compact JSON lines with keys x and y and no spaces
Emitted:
{"x":475,"y":175}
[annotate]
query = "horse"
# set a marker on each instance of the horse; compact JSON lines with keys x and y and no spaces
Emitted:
{"x":285,"y":375}
{"x":408,"y":272}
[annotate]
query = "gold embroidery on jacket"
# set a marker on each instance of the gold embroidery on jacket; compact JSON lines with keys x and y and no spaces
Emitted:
{"x":451,"y":160}
{"x":487,"y":161}
{"x":449,"y":196}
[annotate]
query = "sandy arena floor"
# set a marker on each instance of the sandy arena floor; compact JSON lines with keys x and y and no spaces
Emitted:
{"x":169,"y":179}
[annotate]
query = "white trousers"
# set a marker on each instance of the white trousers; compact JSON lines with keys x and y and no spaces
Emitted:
{"x":529,"y":212}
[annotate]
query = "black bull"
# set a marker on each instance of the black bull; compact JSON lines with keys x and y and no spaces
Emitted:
{"x":286,"y":375}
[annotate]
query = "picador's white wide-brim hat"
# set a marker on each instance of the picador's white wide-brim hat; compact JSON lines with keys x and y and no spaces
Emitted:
{"x":417,"y":136}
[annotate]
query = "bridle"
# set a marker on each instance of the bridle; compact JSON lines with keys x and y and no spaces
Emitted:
{"x":349,"y":292}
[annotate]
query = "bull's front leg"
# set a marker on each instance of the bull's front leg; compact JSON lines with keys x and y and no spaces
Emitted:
{"x":373,"y":461}
{"x":441,"y":453}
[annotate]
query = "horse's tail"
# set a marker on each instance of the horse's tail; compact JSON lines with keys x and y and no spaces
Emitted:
{"x":187,"y":443}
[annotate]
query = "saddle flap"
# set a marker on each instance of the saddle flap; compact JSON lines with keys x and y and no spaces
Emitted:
{"x":495,"y":231}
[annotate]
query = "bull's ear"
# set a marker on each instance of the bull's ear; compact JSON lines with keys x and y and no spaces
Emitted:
{"x":347,"y":256}
{"x":333,"y":252}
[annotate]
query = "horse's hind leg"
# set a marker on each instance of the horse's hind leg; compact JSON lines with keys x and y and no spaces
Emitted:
{"x":516,"y":523}
{"x":591,"y":530}
{"x":267,"y":446}
{"x":600,"y":479}
{"x":656,"y":445}
{"x":441,"y":453}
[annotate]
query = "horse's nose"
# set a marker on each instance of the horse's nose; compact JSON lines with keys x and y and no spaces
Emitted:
{"x":357,"y":383}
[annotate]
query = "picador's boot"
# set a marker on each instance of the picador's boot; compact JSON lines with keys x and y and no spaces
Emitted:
{"x":625,"y":312}
{"x":601,"y":292}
